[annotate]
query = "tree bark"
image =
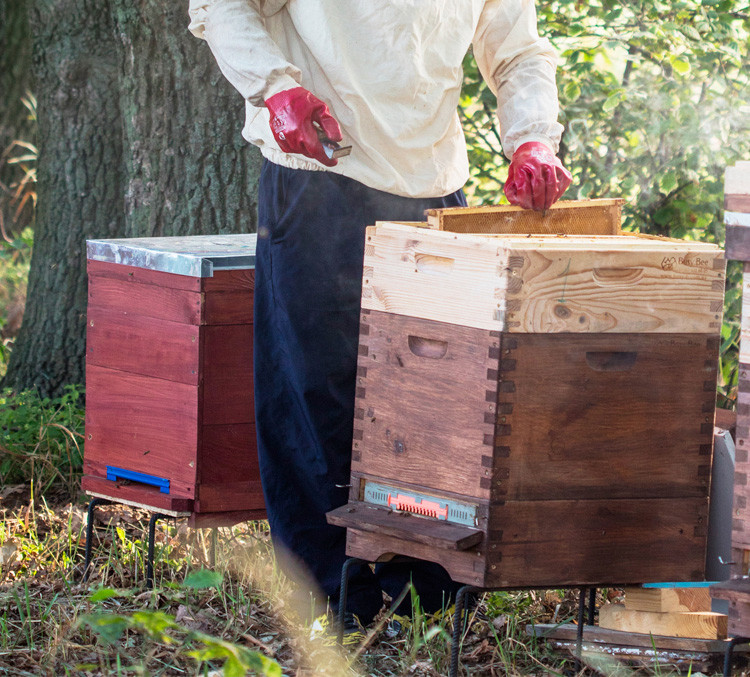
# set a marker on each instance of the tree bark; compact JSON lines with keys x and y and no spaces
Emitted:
{"x":15,"y":75}
{"x":139,"y":136}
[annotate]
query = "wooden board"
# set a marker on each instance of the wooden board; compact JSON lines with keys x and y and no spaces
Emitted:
{"x":604,"y":649}
{"x":596,"y":542}
{"x":599,"y":635}
{"x":420,"y":415}
{"x":228,"y":472}
{"x":699,"y":624}
{"x":120,"y":294}
{"x":227,"y":367}
{"x":664,"y":600}
{"x":573,"y":217}
{"x":544,"y":283}
{"x":144,"y":345}
{"x":435,"y":533}
{"x":135,"y":495}
{"x":534,"y":417}
{"x":229,"y":280}
{"x":133,"y":275}
{"x":141,"y":423}
{"x":737,"y":593}
{"x":229,"y":307}
{"x":540,"y":544}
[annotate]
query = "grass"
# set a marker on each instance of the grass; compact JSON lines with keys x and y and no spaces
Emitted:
{"x":241,"y":614}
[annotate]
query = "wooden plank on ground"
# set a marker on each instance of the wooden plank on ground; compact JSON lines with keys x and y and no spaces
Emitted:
{"x":698,"y":624}
{"x":663,"y":600}
{"x":604,"y":649}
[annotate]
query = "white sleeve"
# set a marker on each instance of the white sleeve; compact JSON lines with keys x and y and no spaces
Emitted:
{"x":246,"y":54}
{"x":519,"y":67}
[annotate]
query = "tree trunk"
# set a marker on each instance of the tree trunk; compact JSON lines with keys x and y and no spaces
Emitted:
{"x":15,"y":74}
{"x":139,"y":136}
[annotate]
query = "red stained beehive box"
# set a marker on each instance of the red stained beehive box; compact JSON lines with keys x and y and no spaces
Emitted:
{"x":169,"y":376}
{"x":535,"y":411}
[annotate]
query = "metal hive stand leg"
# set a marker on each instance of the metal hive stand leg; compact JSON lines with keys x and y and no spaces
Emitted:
{"x":458,"y":625}
{"x":729,"y":651}
{"x":150,"y":557}
{"x":343,"y":594}
{"x":90,"y":533}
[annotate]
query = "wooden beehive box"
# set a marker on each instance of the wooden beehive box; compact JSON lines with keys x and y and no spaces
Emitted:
{"x":169,"y":381}
{"x":535,"y":410}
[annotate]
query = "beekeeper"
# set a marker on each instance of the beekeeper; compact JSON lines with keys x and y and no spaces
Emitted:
{"x":383,"y":76}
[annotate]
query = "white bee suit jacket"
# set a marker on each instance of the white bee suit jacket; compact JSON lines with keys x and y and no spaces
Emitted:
{"x":390,"y":73}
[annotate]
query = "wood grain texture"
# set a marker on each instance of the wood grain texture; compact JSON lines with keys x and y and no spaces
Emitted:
{"x":422,"y":413}
{"x":134,"y":275}
{"x":143,"y":496}
{"x":605,"y":416}
{"x":227,"y":367}
{"x":544,"y":283}
{"x":537,"y":416}
{"x":596,"y":542}
{"x":228,"y":472}
{"x":129,"y":298}
{"x":230,"y":496}
{"x":567,"y":543}
{"x":464,"y":566}
{"x":697,"y":624}
{"x":662,"y":600}
{"x":228,"y":453}
{"x":573,"y":217}
{"x":737,"y":593}
{"x":141,"y":344}
{"x":141,"y":423}
{"x":228,"y":307}
{"x":229,"y":280}
{"x":199,"y":520}
{"x":598,"y":635}
{"x":403,"y":525}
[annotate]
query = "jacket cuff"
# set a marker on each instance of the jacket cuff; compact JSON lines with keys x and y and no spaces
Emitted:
{"x":279,"y":84}
{"x":537,"y":138}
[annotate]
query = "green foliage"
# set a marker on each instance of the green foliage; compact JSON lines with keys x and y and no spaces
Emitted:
{"x":162,"y":628}
{"x":15,"y":257}
{"x":42,"y":439}
{"x":655,"y":99}
{"x":203,"y":579}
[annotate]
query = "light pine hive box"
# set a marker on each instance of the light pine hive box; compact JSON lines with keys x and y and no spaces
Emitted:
{"x":535,"y":410}
{"x":170,"y":421}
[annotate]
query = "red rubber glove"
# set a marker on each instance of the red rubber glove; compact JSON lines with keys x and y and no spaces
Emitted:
{"x":293,"y":113}
{"x":536,"y":178}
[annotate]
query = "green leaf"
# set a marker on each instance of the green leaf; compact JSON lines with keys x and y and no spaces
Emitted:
{"x":202,"y":579}
{"x":613,"y":100}
{"x":668,"y":181}
{"x":680,"y":64}
{"x":107,"y":593}
{"x":572,"y":90}
{"x":107,"y":626}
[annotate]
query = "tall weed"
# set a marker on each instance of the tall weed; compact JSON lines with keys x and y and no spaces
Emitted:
{"x":41,"y":439}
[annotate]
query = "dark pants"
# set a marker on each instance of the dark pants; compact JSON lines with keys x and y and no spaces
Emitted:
{"x":307,"y":299}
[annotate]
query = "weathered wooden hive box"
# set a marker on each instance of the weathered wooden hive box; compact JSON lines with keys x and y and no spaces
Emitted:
{"x":169,"y":376}
{"x":535,"y":410}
